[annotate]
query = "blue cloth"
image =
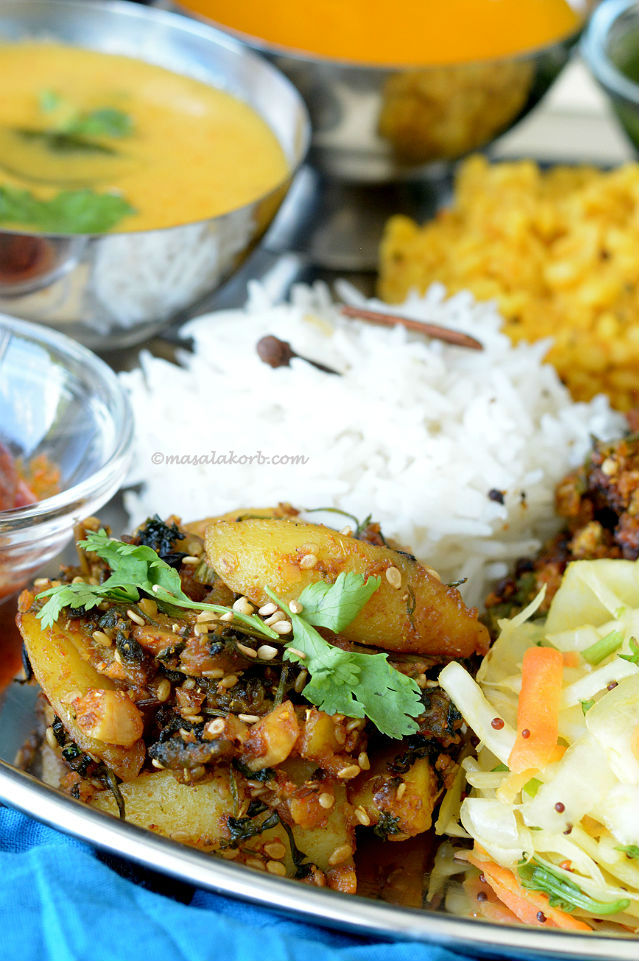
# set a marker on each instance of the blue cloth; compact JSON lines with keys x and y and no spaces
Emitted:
{"x":62,"y":901}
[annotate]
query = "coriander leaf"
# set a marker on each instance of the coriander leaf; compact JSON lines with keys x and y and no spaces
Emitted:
{"x":133,"y":564}
{"x":630,"y":850}
{"x":104,"y":122}
{"x":68,"y":212}
{"x":135,"y":569}
{"x":634,"y":657}
{"x":354,"y":684}
{"x":538,"y":875}
{"x":586,"y":705}
{"x":75,"y":596}
{"x":335,"y":605}
{"x":48,"y":101}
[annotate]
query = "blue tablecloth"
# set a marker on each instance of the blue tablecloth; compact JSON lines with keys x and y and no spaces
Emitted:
{"x":63,"y":901}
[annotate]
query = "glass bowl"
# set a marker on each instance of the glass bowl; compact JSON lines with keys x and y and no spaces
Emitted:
{"x":610,"y":47}
{"x":118,"y":289}
{"x":61,"y":405}
{"x":378,"y":124}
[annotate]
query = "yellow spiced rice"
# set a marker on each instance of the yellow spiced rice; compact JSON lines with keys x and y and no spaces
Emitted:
{"x":557,"y":249}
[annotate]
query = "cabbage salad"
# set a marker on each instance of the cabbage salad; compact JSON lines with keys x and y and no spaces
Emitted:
{"x":550,"y":796}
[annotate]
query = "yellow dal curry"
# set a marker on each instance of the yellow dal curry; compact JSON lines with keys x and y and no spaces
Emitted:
{"x":176,"y":149}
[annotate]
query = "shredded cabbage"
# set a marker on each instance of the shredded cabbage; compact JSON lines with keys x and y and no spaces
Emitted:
{"x":572,"y":827}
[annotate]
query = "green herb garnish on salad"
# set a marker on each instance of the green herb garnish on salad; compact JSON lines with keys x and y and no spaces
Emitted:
{"x":633,"y":658}
{"x":603,"y":648}
{"x":538,"y":875}
{"x":630,"y":850}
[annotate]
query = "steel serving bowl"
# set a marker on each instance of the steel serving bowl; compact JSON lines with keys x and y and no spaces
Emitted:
{"x":610,"y":47}
{"x":117,"y":289}
{"x":61,"y":402}
{"x":380,"y":124}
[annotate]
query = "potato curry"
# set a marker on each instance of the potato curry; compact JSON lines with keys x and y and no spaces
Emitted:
{"x":256,"y":686}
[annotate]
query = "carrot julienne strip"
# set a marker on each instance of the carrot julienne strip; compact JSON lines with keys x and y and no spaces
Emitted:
{"x":538,"y":709}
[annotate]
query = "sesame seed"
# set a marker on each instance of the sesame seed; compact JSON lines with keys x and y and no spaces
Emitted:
{"x":276,"y":616}
{"x":50,"y":738}
{"x":254,"y":863}
{"x":266,"y":653}
{"x":229,"y":854}
{"x":326,"y":800}
{"x":364,"y":762}
{"x":163,"y":690}
{"x":157,"y":764}
{"x":275,"y":850}
{"x":401,"y":790}
{"x":247,"y":651}
{"x":348,"y":772}
{"x":267,"y":609}
{"x":340,"y":735}
{"x":298,"y":653}
{"x":362,"y":816}
{"x":227,"y":616}
{"x":422,"y":681}
{"x":40,"y":581}
{"x":193,"y":718}
{"x":229,"y":681}
{"x":78,"y":580}
{"x":394,"y":577}
{"x":194,"y":547}
{"x":354,"y":724}
{"x":300,"y":682}
{"x":190,"y":560}
{"x":282,"y":627}
{"x":243,"y":606}
{"x":340,"y":854}
{"x":148,"y":606}
{"x":276,"y":867}
{"x":215,"y":727}
{"x":308,"y":561}
{"x":608,"y":467}
{"x":201,"y":629}
{"x":249,"y":718}
{"x":102,"y":638}
{"x":295,"y":607}
{"x":433,"y":573}
{"x":155,"y":588}
{"x":215,"y":673}
{"x":497,"y":723}
{"x":116,"y":657}
{"x":204,"y":617}
{"x":189,"y":684}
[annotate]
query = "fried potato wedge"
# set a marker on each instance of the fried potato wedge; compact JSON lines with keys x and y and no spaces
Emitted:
{"x":60,"y":663}
{"x":194,"y":814}
{"x":412,"y":612}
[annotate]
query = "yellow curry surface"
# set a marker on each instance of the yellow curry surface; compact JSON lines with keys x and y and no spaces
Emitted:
{"x":186,"y":151}
{"x":406,"y":32}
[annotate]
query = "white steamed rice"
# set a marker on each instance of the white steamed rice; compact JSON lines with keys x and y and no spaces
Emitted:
{"x":414,"y":432}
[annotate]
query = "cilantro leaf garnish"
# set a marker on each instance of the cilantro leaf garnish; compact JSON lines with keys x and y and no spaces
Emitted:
{"x":135,"y":570}
{"x":347,"y":682}
{"x":538,"y":875}
{"x":68,"y":212}
{"x":586,"y":705}
{"x":104,"y":122}
{"x":634,"y":657}
{"x":336,"y":605}
{"x":630,"y":850}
